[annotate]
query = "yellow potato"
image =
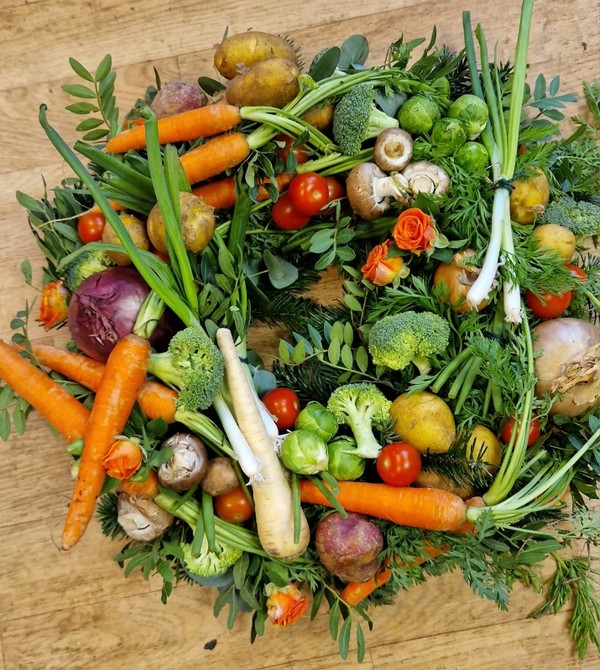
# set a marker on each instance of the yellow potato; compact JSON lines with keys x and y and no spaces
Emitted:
{"x":433,"y":479}
{"x":137,"y":231}
{"x":529,"y":197}
{"x":483,"y":445}
{"x":424,"y":420}
{"x":556,"y":238}
{"x":197,"y":224}
{"x":321,"y":118}
{"x":272,"y":82}
{"x":238,"y":52}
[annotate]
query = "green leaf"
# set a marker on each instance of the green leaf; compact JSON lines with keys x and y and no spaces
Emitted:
{"x":284,"y":352}
{"x":333,"y":352}
{"x":334,"y":619}
{"x":210,"y":86}
{"x":82,"y":108}
{"x":348,"y":333}
{"x":226,"y":264}
{"x":554,"y":85}
{"x":4,"y":425}
{"x":299,"y":353}
{"x":315,"y":336}
{"x":321,"y":241}
{"x":346,"y":253}
{"x":281,"y":272}
{"x":103,"y":69}
{"x":362,"y":359}
{"x":79,"y":91}
{"x":347,"y":357}
{"x":325,"y":261}
{"x":539,"y":91}
{"x":326,"y":63}
{"x":352,"y":303}
{"x":344,"y":639}
{"x":80,"y":70}
{"x":361,"y":646}
{"x":26,"y":270}
{"x":19,"y":419}
{"x":354,"y":51}
{"x":89,"y":124}
{"x":95,"y":134}
{"x":6,"y":396}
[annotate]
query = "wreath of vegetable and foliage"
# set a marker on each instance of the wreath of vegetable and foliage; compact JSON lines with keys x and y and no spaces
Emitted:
{"x":261,"y":268}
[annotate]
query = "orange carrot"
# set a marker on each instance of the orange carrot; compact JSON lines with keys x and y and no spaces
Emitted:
{"x":221,"y":194}
{"x":427,"y":508}
{"x":215,"y":156}
{"x":355,"y":592}
{"x":156,"y":400}
{"x":124,"y":373}
{"x":201,"y":122}
{"x":62,"y":411}
{"x":148,"y":488}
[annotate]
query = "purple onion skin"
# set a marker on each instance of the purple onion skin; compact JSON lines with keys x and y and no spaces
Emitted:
{"x":104,"y":308}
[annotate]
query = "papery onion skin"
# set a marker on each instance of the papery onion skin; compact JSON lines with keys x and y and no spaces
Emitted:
{"x":104,"y":308}
{"x":569,"y":364}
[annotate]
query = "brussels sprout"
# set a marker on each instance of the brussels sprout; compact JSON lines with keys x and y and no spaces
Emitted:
{"x":304,"y":452}
{"x":343,"y":463}
{"x":418,"y":115}
{"x":472,"y":156}
{"x":442,"y":86}
{"x":318,"y":419}
{"x":448,"y":136}
{"x":472,"y":111}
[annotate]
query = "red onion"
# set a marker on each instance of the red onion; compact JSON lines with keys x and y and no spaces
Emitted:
{"x":569,"y":364}
{"x":104,"y":308}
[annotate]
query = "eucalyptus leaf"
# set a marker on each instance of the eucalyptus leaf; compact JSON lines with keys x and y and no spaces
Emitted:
{"x":325,"y":63}
{"x":281,"y":272}
{"x":354,"y":51}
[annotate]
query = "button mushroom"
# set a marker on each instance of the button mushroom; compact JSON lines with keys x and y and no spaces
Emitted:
{"x":426,"y":177}
{"x":369,"y":190}
{"x":187,"y":465}
{"x":141,"y":518}
{"x":393,"y":150}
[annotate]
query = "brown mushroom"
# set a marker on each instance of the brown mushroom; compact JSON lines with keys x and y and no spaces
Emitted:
{"x":220,"y":476}
{"x":369,"y":190}
{"x":393,"y":149}
{"x":141,"y":518}
{"x":187,"y":465}
{"x":426,"y":177}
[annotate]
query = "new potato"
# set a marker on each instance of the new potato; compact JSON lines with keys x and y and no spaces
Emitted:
{"x":238,"y":52}
{"x":425,"y":421}
{"x":272,"y":82}
{"x":137,"y":231}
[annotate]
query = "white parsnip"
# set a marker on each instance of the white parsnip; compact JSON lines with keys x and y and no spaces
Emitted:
{"x":273,"y":495}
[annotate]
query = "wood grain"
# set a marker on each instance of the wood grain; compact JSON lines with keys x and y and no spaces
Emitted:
{"x":76,"y":610}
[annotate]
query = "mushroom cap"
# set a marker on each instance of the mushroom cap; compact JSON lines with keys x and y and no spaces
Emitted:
{"x":393,"y":149}
{"x":360,"y":190}
{"x":426,"y":177}
{"x":187,"y":465}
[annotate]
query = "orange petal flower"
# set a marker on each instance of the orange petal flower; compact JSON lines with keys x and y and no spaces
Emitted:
{"x":380,"y":268}
{"x":123,"y":459}
{"x":285,"y":605}
{"x":415,"y":231}
{"x":54,"y":308}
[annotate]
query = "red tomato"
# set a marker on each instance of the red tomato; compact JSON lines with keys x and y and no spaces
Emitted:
{"x":534,"y":430}
{"x":284,"y":405}
{"x":309,"y":192}
{"x":398,"y":464}
{"x":300,"y":152}
{"x":90,"y":226}
{"x":547,"y":306}
{"x":233,"y":506}
{"x":336,"y":190}
{"x":577,"y":272}
{"x":286,"y":216}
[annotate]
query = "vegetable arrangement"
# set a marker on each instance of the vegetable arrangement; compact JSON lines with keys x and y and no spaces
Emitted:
{"x":442,"y":414}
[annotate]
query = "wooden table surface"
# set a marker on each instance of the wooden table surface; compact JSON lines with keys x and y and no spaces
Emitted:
{"x":76,"y":610}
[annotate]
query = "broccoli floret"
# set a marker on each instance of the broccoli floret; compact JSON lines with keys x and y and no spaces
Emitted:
{"x":581,"y":217}
{"x":356,"y":119}
{"x":194,"y":365}
{"x":86,"y":264}
{"x":209,"y":563}
{"x":362,"y":407}
{"x":399,"y":339}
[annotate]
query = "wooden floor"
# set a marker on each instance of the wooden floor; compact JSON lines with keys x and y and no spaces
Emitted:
{"x":76,"y":610}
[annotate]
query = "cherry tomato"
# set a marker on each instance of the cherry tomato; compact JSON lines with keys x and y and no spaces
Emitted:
{"x":284,"y":405}
{"x":286,"y":216}
{"x":90,"y":226}
{"x":336,"y":190}
{"x":233,"y":506}
{"x":534,"y":430}
{"x":309,"y":192}
{"x":398,"y":464}
{"x":577,"y":272}
{"x":300,"y":153}
{"x":547,"y":305}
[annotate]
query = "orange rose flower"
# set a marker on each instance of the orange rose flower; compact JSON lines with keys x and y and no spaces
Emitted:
{"x":123,"y":459}
{"x":380,"y":268}
{"x":415,"y":231}
{"x":285,"y":605}
{"x":54,"y":308}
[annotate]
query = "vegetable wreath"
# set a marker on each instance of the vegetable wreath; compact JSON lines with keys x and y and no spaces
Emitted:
{"x":441,"y":414}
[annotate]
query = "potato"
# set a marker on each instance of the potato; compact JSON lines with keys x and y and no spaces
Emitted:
{"x":176,"y":97}
{"x":197,"y":223}
{"x":137,"y":231}
{"x":272,"y":82}
{"x":433,"y":479}
{"x":529,"y":197}
{"x":321,"y":118}
{"x":238,"y":52}
{"x":555,"y":238}
{"x":424,"y":420}
{"x":220,"y":477}
{"x":483,"y":445}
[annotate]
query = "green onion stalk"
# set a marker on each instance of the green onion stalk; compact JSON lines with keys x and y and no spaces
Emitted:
{"x":501,"y":143}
